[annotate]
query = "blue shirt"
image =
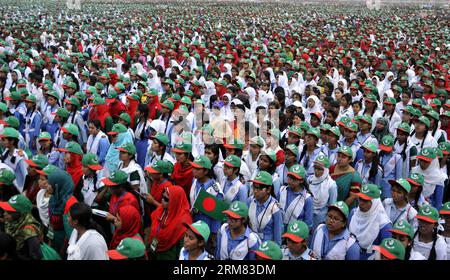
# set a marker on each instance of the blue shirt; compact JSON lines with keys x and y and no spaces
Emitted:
{"x":272,"y":231}
{"x":365,"y":170}
{"x":306,"y":215}
{"x":185,"y":255}
{"x":232,"y":243}
{"x":214,"y":225}
{"x":396,"y":173}
{"x":242,"y":194}
{"x":353,"y":252}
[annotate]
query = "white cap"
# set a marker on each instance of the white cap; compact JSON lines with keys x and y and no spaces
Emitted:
{"x":297,"y":104}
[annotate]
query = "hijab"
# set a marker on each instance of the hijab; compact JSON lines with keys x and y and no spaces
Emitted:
{"x":167,"y":224}
{"x":112,"y":156}
{"x":154,"y":82}
{"x":63,"y":187}
{"x":308,"y":111}
{"x":379,"y":134}
{"x":130,"y":225}
{"x":433,"y":177}
{"x":74,"y":168}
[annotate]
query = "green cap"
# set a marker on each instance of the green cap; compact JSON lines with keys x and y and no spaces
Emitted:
{"x":402,"y":227}
{"x":371,"y":146}
{"x":297,"y":171}
{"x":293,"y":148}
{"x":427,"y":154}
{"x":39,"y":161}
{"x":390,"y":100}
{"x":343,"y":121}
{"x":387,"y":143}
{"x":275,"y":132}
{"x":322,"y":160}
{"x":237,"y":210}
{"x":428,"y":213}
{"x":3,"y":107}
{"x":445,"y":210}
{"x":325,"y":127}
{"x":263,"y":178}
{"x":425,"y":121}
{"x":44,"y":135}
{"x":404,"y":127}
{"x":202,"y":162}
{"x":12,"y":121}
{"x":9,"y":132}
{"x":161,"y":137}
{"x":232,"y":161}
{"x":168,"y":105}
{"x":182,"y":147}
{"x":18,"y":203}
{"x":335,"y":130}
{"x":49,"y":169}
{"x":118,"y":177}
{"x":30,"y":98}
{"x":125,"y":117}
{"x":70,"y":128}
{"x":14,"y":96}
{"x":341,"y":206}
{"x":270,"y":153}
{"x":402,"y":183}
{"x":186,"y":100}
{"x":160,"y":166}
{"x":73,"y":101}
{"x":433,"y":114}
{"x":297,"y":231}
{"x":200,"y":228}
{"x":7,"y":177}
{"x":53,"y":94}
{"x":72,"y":147}
{"x":235,"y":144}
{"x":128,"y":148}
{"x":314,"y":131}
{"x":392,"y":249}
{"x":117,"y":128}
{"x":128,"y":248}
{"x":297,"y":130}
{"x":62,"y":112}
{"x":257,"y":140}
{"x":416,"y":179}
{"x":269,"y":250}
{"x":369,"y":192}
{"x":444,"y":147}
{"x":351,"y":126}
{"x":346,"y":151}
{"x":366,"y":118}
{"x":371,"y":97}
{"x":91,"y":161}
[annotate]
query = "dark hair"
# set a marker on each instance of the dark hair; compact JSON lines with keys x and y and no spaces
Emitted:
{"x":300,"y":115}
{"x":357,"y":102}
{"x":374,"y":168}
{"x":273,"y":166}
{"x":433,"y":247}
{"x":215,"y":149}
{"x":82,"y":213}
{"x":335,"y":104}
{"x":8,"y":246}
{"x":348,"y":98}
{"x":96,"y":123}
{"x":143,"y":108}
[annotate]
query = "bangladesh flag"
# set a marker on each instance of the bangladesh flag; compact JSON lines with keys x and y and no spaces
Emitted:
{"x":210,"y":205}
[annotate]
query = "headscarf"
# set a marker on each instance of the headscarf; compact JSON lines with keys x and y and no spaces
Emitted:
{"x":345,"y":86}
{"x":75,"y":168}
{"x":63,"y":186}
{"x":112,"y":156}
{"x":153,"y":108}
{"x":308,"y":111}
{"x":154,"y":82}
{"x":99,"y":112}
{"x":159,"y":60}
{"x":167,"y":224}
{"x":320,"y":193}
{"x":193,"y":64}
{"x":131,"y":109}
{"x":433,"y":177}
{"x":17,"y":231}
{"x":366,"y":225}
{"x":380,"y":134}
{"x":272,"y":75}
{"x":227,"y":113}
{"x":130,"y":225}
{"x":227,"y":67}
{"x":210,"y":91}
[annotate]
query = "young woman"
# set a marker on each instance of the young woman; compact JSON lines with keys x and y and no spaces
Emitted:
{"x":204,"y":179}
{"x":420,"y":137}
{"x":434,"y":179}
{"x":48,"y":123}
{"x":73,"y":155}
{"x":415,"y":197}
{"x":8,"y":188}
{"x":128,"y":164}
{"x":390,"y":114}
{"x":159,"y":172}
{"x":347,"y":179}
{"x":13,"y":157}
{"x":32,"y":123}
{"x":235,"y":240}
{"x":265,"y":216}
{"x":297,"y":235}
{"x":127,"y":223}
{"x":212,"y":151}
{"x":369,"y":222}
{"x":332,"y":240}
{"x":330,"y":149}
{"x":398,"y":208}
{"x":323,"y":189}
{"x":20,"y":224}
{"x":142,"y":133}
{"x":195,"y":239}
{"x":311,"y":150}
{"x":438,"y":134}
{"x":426,"y":240}
{"x":295,"y":199}
{"x":233,"y":189}
{"x":404,"y":232}
{"x":290,"y":158}
{"x":100,"y":111}
{"x":251,"y":157}
{"x":85,"y":243}
{"x":167,"y":224}
{"x":381,"y":129}
{"x":267,"y":159}
{"x":73,"y":105}
{"x":158,"y":149}
{"x":46,"y":147}
{"x":97,"y":142}
{"x":182,"y":174}
{"x":119,"y":136}
{"x":369,"y":168}
{"x":445,"y":233}
{"x":404,"y":148}
{"x":391,"y":164}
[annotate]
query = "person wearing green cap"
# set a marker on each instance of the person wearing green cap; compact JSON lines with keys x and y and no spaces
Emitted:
{"x":125,"y":120}
{"x":136,"y":177}
{"x":91,"y":190}
{"x":182,"y":174}
{"x":128,"y":249}
{"x":195,"y":239}
{"x":235,"y":240}
{"x":420,"y":137}
{"x":233,"y":188}
{"x":290,"y":158}
{"x":365,"y":127}
{"x":297,"y":235}
{"x":391,"y":164}
{"x":350,"y":131}
{"x":332,"y":240}
{"x":438,"y":134}
{"x":31,"y":186}
{"x":368,"y":167}
{"x":73,"y":107}
{"x":22,"y":226}
{"x":404,"y":148}
{"x":397,"y":207}
{"x":390,"y":249}
{"x":311,"y":150}
{"x":251,"y":157}
{"x":426,"y":239}
{"x":18,"y":108}
{"x":12,"y":156}
{"x":48,"y":110}
{"x":265,"y":216}
{"x":158,"y":149}
{"x":369,"y":221}
{"x":7,"y":186}
{"x":269,"y":250}
{"x":434,"y":178}
{"x":404,"y":232}
{"x":445,"y":230}
{"x":32,"y":126}
{"x":118,"y":136}
{"x":97,"y":142}
{"x":159,"y":172}
{"x":330,"y":149}
{"x":390,"y":114}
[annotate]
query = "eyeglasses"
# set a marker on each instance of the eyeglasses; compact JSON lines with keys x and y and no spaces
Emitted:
{"x":334,"y":219}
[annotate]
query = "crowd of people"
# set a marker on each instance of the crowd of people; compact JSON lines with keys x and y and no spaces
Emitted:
{"x":322,"y":129}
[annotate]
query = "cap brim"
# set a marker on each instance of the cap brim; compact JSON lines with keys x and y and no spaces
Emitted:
{"x":8,"y":98}
{"x":384,"y":252}
{"x":6,"y":206}
{"x":195,"y":165}
{"x":64,"y":150}
{"x":108,"y":182}
{"x":385,"y":148}
{"x":425,"y":218}
{"x":338,"y":209}
{"x":192,"y":228}
{"x":398,"y":232}
{"x":152,"y":170}
{"x":228,"y":146}
{"x":65,"y":130}
{"x":31,"y":163}
{"x":112,"y":133}
{"x":44,"y":139}
{"x":95,"y":167}
{"x":231,"y":214}
{"x":229,"y":164}
{"x":41,"y":172}
{"x":258,"y":182}
{"x":364,"y":196}
{"x":262,"y":255}
{"x":293,"y":237}
{"x":412,"y":182}
{"x":178,"y":150}
{"x":424,"y":158}
{"x":122,"y":150}
{"x":115,"y":255}
{"x":295,"y":175}
{"x":444,"y":212}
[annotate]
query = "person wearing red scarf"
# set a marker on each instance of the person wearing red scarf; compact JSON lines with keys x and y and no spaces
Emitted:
{"x":115,"y":107}
{"x":182,"y":171}
{"x":73,"y":155}
{"x":120,"y":197}
{"x":127,"y":224}
{"x":100,"y":112}
{"x":165,"y":239}
{"x":132,"y":104}
{"x":153,"y":104}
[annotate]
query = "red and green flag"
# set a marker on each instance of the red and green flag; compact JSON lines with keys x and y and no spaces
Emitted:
{"x":210,"y":205}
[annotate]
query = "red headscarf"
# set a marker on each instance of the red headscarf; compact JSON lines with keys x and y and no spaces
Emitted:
{"x":116,"y":108}
{"x":167,"y":224}
{"x":157,"y":189}
{"x":130,"y":225}
{"x":74,"y":168}
{"x":99,"y":112}
{"x":183,"y":177}
{"x":154,"y":107}
{"x":131,"y":110}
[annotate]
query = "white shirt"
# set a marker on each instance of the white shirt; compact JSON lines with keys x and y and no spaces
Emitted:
{"x":90,"y":246}
{"x":42,"y":205}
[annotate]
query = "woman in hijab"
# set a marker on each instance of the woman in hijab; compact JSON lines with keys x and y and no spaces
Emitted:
{"x":117,"y":139}
{"x":369,"y":222}
{"x":381,"y":129}
{"x":385,"y":84}
{"x":226,"y":109}
{"x":313,"y":106}
{"x":72,"y":161}
{"x":167,"y":231}
{"x":209,"y":91}
{"x":132,"y":105}
{"x":100,"y":111}
{"x":154,"y":81}
{"x":127,"y":224}
{"x":59,"y":204}
{"x":192,"y":63}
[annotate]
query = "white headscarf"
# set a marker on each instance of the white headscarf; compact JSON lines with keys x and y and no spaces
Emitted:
{"x":344,"y":81}
{"x":193,"y":64}
{"x":272,"y":75}
{"x":308,"y":111}
{"x":210,"y":91}
{"x":320,"y":193}
{"x":154,"y":82}
{"x":433,"y":177}
{"x":174,"y":63}
{"x":159,"y":60}
{"x":366,"y":225}
{"x":227,"y":113}
{"x":227,"y":66}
